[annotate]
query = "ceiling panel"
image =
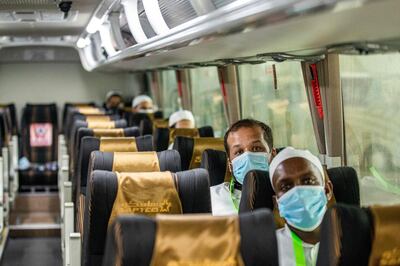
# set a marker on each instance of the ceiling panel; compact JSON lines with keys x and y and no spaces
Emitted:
{"x":41,"y":15}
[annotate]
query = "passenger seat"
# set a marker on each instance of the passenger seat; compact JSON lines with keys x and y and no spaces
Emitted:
{"x":191,"y":149}
{"x":164,"y":136}
{"x":105,"y":187}
{"x":39,"y":137}
{"x":257,"y":190}
{"x":360,"y":236}
{"x":247,"y":239}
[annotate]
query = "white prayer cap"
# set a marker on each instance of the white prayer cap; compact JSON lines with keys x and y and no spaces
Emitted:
{"x":291,"y":152}
{"x":112,"y":93}
{"x":179,"y":116}
{"x":140,"y":99}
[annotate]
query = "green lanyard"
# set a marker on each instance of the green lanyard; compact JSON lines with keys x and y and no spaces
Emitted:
{"x":234,"y":201}
{"x":298,"y":250}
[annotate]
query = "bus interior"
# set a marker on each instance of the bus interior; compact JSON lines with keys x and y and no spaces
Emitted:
{"x":321,"y":73}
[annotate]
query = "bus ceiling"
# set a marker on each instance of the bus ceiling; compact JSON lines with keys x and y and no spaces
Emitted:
{"x":135,"y":35}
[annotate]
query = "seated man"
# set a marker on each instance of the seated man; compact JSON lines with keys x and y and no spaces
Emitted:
{"x":113,"y":102}
{"x":181,"y":119}
{"x":249,"y":146}
{"x":302,"y":193}
{"x":142,"y":104}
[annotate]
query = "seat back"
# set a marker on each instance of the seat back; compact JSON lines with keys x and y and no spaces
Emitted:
{"x":74,"y":143}
{"x":39,"y":133}
{"x":12,"y":122}
{"x":5,"y":133}
{"x":139,"y":240}
{"x":192,"y":187}
{"x":167,"y":160}
{"x":191,"y":149}
{"x":346,"y":236}
{"x":135,"y":119}
{"x":68,"y":106}
{"x":39,"y":137}
{"x":345,"y":185}
{"x":216,"y":163}
{"x":163,"y":136}
{"x":386,"y":242}
{"x":257,"y":190}
{"x":76,"y":111}
{"x":91,"y":144}
{"x":360,"y":236}
{"x":86,"y":132}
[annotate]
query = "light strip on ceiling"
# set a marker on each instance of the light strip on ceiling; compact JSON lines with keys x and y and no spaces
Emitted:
{"x":153,"y":12}
{"x":131,"y":12}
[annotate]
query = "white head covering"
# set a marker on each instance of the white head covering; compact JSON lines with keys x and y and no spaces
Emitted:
{"x":140,"y":99}
{"x":179,"y":116}
{"x":291,"y":152}
{"x":112,"y":93}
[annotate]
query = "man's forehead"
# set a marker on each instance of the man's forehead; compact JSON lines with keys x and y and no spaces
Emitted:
{"x":294,"y":167}
{"x":246,"y":133}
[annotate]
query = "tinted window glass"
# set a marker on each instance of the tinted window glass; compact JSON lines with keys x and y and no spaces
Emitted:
{"x":284,"y":108}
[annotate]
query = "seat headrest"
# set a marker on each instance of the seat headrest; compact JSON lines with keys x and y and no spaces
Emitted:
{"x":257,"y":192}
{"x":163,"y":135}
{"x":90,"y":144}
{"x":345,"y":236}
{"x":203,"y":240}
{"x":344,"y":178}
{"x":216,"y":164}
{"x":97,"y":118}
{"x":386,"y":241}
{"x":147,"y":193}
{"x":120,"y":144}
{"x":108,"y":132}
{"x":193,"y":191}
{"x":182,"y":132}
{"x":345,"y":185}
{"x":133,"y":161}
{"x":206,"y":132}
{"x":191,"y":149}
{"x":100,"y":124}
{"x":89,"y":110}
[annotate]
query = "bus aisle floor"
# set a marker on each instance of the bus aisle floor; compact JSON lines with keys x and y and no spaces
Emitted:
{"x":38,"y":251}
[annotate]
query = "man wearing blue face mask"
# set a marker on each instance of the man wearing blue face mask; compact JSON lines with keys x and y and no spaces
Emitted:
{"x":249,"y":146}
{"x":302,"y":193}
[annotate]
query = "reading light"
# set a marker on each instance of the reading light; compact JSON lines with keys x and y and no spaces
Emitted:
{"x":93,"y":25}
{"x":82,"y":43}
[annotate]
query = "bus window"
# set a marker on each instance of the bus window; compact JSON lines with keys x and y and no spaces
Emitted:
{"x":208,"y":108}
{"x":170,"y":97}
{"x":371,"y":98}
{"x":285,"y":109}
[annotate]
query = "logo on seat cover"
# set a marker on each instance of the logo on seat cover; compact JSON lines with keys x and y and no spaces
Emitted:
{"x":41,"y":134}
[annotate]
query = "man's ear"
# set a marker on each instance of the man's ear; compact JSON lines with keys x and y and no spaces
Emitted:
{"x":328,"y":189}
{"x":273,"y":154}
{"x":230,"y":166}
{"x":275,"y":202}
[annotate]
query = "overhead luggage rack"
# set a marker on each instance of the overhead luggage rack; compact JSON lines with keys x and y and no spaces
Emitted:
{"x":241,"y":28}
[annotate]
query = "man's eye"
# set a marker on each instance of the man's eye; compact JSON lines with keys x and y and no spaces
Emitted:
{"x":285,"y":187}
{"x":310,"y":181}
{"x":238,"y":152}
{"x":258,"y":149}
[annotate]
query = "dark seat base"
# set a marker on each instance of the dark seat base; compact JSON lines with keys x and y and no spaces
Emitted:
{"x":28,"y":178}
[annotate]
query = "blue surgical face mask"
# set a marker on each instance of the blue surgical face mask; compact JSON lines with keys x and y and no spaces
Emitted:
{"x":303,"y":207}
{"x":249,"y":161}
